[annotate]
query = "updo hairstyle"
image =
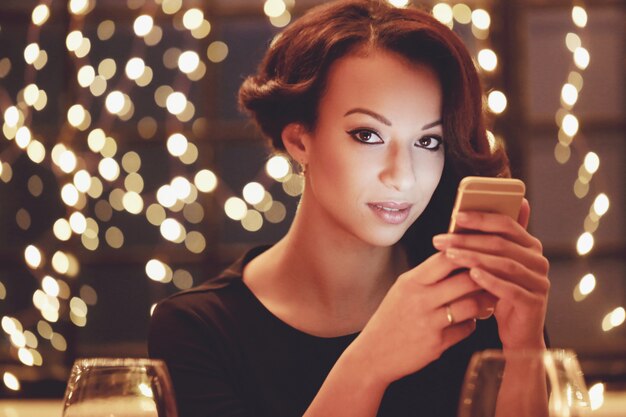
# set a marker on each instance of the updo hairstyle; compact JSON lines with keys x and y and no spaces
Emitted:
{"x":291,"y":77}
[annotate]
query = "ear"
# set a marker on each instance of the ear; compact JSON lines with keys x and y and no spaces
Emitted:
{"x":296,"y":139}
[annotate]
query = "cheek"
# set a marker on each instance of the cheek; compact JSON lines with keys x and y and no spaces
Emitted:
{"x":342,"y":177}
{"x":429,"y":169}
{"x":339,"y":163}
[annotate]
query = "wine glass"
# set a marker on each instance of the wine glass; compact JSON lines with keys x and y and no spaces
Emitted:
{"x":539,"y":383}
{"x":124,"y":387}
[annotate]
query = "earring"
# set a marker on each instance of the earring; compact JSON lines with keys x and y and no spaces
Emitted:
{"x":303,"y":166}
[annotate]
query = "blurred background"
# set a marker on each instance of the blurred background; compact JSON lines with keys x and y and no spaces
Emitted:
{"x":127,"y":172}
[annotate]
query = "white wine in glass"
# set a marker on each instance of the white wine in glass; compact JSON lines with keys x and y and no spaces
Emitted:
{"x":534,"y":383}
{"x":125,"y":387}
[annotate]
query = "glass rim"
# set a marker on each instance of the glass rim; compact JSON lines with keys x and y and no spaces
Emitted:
{"x":112,"y":362}
{"x":519,"y":353}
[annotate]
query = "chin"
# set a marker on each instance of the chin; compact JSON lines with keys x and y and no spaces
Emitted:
{"x":384,"y":238}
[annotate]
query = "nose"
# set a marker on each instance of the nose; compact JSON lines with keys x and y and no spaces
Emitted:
{"x":398,"y":172}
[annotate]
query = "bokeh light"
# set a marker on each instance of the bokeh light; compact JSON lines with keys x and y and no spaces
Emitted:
{"x":143,"y":25}
{"x":33,"y":256}
{"x":582,"y":58}
{"x":579,"y":16}
{"x":585,"y":243}
{"x":481,"y":19}
{"x":177,"y":144}
{"x":443,"y":13}
{"x":217,"y":51}
{"x":497,"y":101}
{"x":278,"y":167}
{"x":11,"y":381}
{"x":40,"y":14}
{"x":101,"y":180}
{"x":487,"y":59}
{"x":614,"y":319}
{"x":570,"y":125}
{"x":253,"y":193}
{"x":235,"y":208}
{"x":205,"y":180}
{"x":596,"y":395}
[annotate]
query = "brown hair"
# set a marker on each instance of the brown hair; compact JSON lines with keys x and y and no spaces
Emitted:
{"x":291,"y":77}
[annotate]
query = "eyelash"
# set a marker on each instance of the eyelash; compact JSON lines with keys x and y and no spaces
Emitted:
{"x":355,"y":132}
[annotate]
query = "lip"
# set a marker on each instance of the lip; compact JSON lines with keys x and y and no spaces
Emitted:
{"x":391,"y":212}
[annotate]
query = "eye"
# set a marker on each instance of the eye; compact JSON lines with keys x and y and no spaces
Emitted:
{"x":429,"y":142}
{"x":366,"y":136}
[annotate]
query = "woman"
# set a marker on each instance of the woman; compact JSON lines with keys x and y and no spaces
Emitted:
{"x":365,"y":307}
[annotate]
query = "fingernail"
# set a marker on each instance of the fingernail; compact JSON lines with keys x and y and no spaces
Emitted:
{"x":487,"y":313}
{"x":475,"y":273}
{"x":462,"y":217}
{"x":441,"y":240}
{"x":453,"y":253}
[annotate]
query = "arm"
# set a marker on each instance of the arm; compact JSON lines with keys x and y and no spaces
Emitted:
{"x":523,"y":390}
{"x":409,"y":330}
{"x":349,"y":389}
{"x":201,"y":386}
{"x":506,"y":261}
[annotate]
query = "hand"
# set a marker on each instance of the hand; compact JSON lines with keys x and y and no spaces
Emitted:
{"x":506,"y":261}
{"x":411,"y":327}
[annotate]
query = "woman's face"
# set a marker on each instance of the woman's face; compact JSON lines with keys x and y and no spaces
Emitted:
{"x":376,"y":154}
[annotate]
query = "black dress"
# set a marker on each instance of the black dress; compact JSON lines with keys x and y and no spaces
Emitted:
{"x":230,"y":356}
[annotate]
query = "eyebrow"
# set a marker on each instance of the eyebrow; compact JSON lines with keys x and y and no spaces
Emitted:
{"x":370,"y":113}
{"x":433,"y":124}
{"x":384,"y":120}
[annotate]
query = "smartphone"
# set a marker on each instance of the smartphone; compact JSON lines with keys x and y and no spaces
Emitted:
{"x":493,"y":195}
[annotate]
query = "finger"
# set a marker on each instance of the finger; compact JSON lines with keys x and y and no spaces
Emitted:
{"x":470,"y":307}
{"x":500,"y":288}
{"x":494,"y":245}
{"x":452,"y":288}
{"x":499,"y":224}
{"x":457,"y":332}
{"x":504,"y":267}
{"x":486,"y":303}
{"x":524,"y":214}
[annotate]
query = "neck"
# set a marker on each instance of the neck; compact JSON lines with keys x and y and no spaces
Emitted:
{"x":320,"y":278}
{"x":333,"y":270}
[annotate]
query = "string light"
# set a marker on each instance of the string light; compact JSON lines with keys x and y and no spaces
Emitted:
{"x":235,"y":208}
{"x":399,"y":3}
{"x":217,"y":51}
{"x":486,"y":58}
{"x":496,"y":100}
{"x":568,"y":136}
{"x":585,"y":287}
{"x":103,"y":177}
{"x":443,"y":13}
{"x":274,"y":8}
{"x":253,"y":193}
{"x":614,"y":319}
{"x":11,"y":381}
{"x":97,"y":176}
{"x":596,"y":395}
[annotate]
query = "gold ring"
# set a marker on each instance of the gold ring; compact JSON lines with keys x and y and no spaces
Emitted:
{"x":449,"y":314}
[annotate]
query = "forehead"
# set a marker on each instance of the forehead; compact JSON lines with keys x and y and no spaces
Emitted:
{"x":382,"y":79}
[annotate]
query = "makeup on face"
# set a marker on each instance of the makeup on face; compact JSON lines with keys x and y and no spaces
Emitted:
{"x":376,"y":153}
{"x":372,"y":136}
{"x":390,"y":211}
